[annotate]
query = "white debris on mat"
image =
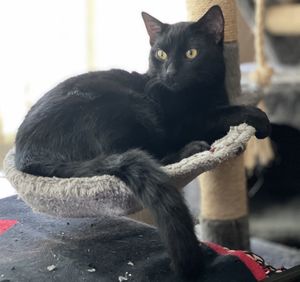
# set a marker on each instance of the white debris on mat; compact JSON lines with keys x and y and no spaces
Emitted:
{"x":51,"y":267}
{"x":91,"y":270}
{"x":124,"y":278}
{"x":130,"y":263}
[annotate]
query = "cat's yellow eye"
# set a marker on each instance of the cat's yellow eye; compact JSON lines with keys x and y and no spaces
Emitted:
{"x":191,"y":54}
{"x":161,"y":55}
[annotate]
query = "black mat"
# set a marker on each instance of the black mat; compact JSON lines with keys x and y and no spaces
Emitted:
{"x":77,"y":246}
{"x":102,"y":249}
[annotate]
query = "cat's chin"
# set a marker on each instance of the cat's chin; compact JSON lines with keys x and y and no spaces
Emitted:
{"x":174,"y":87}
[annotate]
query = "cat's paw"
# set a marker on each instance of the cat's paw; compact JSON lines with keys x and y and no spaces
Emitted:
{"x":194,"y":148}
{"x":260,"y":121}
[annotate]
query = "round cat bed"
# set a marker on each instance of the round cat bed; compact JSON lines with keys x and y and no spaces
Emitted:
{"x":108,"y":195}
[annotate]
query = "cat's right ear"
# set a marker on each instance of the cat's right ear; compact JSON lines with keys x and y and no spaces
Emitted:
{"x":213,"y":23}
{"x":153,"y":26}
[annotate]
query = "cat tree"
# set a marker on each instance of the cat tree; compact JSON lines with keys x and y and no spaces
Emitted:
{"x":282,"y":102}
{"x":224,"y":209}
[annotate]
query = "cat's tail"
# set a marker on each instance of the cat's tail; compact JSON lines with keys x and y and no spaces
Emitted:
{"x":152,"y":187}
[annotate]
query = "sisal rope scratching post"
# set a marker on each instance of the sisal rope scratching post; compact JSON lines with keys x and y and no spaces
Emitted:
{"x":260,"y":151}
{"x":224,"y":209}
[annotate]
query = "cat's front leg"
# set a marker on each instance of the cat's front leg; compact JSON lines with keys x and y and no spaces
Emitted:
{"x":222,"y":118}
{"x":193,"y":148}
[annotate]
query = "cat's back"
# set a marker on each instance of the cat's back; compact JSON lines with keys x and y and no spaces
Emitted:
{"x":80,"y":109}
{"x":86,"y":90}
{"x":109,"y":82}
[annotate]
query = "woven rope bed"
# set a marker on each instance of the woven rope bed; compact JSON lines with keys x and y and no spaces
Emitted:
{"x":108,"y":195}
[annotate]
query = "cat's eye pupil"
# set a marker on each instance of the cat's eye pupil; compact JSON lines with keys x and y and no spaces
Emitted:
{"x":191,"y":54}
{"x":162,"y":55}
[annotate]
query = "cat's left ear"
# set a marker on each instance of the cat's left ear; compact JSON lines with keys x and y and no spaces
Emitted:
{"x":213,"y":23}
{"x":153,"y":26}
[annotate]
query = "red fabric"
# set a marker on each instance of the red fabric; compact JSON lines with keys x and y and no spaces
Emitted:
{"x":256,"y":269}
{"x":5,"y":224}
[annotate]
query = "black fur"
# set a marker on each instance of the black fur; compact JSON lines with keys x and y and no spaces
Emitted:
{"x":123,"y":124}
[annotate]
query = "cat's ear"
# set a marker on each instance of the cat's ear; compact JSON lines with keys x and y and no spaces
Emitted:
{"x":213,"y":23}
{"x":153,"y":26}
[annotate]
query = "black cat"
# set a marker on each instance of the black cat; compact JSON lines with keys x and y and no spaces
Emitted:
{"x":127,"y":124}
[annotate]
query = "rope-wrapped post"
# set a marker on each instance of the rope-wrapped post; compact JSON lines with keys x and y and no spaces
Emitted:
{"x":263,"y":73}
{"x":224,"y":208}
{"x":260,"y":151}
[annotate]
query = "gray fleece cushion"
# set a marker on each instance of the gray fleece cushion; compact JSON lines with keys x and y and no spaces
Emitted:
{"x":108,"y":195}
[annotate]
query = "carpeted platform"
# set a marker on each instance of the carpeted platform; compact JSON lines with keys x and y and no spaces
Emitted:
{"x":42,"y":248}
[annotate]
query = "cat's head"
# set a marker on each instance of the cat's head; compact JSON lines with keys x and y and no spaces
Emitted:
{"x":187,"y":53}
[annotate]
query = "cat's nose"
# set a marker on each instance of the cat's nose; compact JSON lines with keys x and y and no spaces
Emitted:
{"x":171,"y":70}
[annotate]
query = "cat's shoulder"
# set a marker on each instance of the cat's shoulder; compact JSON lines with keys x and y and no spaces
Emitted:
{"x":97,"y":83}
{"x":125,"y":76}
{"x":118,"y":76}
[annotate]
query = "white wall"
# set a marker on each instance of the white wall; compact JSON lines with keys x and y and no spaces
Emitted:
{"x":44,"y":42}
